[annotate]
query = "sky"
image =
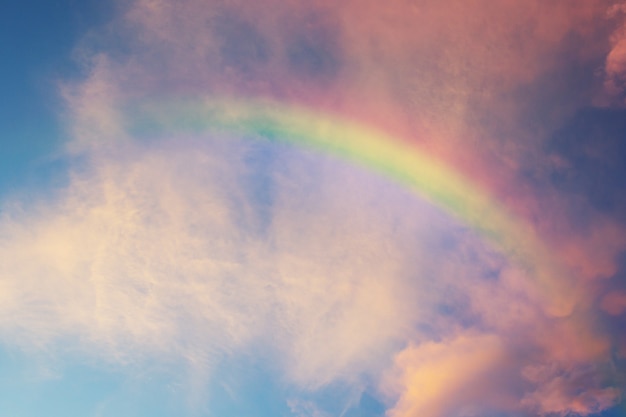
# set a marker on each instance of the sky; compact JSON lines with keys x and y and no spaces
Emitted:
{"x":312,"y":208}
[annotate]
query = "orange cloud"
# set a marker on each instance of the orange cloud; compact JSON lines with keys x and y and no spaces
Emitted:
{"x":434,"y":378}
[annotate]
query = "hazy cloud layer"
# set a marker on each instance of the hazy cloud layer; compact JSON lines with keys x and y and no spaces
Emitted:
{"x":197,"y":248}
{"x":168,"y":251}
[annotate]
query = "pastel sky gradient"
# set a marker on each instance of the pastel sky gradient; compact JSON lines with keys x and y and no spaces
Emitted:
{"x":313,"y":208}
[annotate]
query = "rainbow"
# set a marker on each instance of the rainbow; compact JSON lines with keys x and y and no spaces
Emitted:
{"x":392,"y":157}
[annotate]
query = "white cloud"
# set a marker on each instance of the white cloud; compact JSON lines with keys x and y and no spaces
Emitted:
{"x":151,"y":252}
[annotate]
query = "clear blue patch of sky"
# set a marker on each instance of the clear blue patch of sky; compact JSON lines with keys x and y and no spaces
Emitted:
{"x":37,"y":38}
{"x":34,"y":386}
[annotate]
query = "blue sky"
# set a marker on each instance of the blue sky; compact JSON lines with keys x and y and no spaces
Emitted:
{"x":208,"y":273}
{"x":38,"y":39}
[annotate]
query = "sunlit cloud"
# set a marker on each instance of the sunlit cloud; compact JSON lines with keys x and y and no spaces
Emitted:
{"x":202,"y":248}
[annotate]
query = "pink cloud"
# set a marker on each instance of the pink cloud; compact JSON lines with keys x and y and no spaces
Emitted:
{"x":614,"y":303}
{"x":564,"y":394}
{"x":148,"y":245}
{"x":615,"y":65}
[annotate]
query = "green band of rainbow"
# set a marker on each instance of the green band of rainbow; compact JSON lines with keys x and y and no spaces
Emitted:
{"x":378,"y":151}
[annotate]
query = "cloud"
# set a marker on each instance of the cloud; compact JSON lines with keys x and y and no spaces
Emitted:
{"x":305,"y":409}
{"x":614,"y":303}
{"x":564,"y":394}
{"x":194,"y":248}
{"x":159,"y":252}
{"x":165,"y":251}
{"x":95,"y":116}
{"x":500,"y":76}
{"x":438,"y":377}
{"x":615,"y":65}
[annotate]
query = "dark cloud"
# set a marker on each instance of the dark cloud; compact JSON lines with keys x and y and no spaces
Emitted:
{"x":242,"y":46}
{"x":590,"y":155}
{"x":313,"y":48}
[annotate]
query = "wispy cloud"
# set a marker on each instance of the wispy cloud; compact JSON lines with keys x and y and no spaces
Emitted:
{"x":158,"y":252}
{"x":196,"y":248}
